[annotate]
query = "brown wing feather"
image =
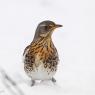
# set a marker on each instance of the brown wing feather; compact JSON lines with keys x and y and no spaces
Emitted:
{"x":26,"y":49}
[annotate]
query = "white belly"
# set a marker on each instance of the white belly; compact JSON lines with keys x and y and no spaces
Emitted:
{"x":41,"y":73}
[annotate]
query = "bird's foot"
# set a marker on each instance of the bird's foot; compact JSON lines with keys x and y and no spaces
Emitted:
{"x":53,"y":80}
{"x":33,"y":83}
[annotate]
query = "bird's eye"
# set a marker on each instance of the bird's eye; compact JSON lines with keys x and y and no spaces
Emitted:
{"x":48,"y":27}
{"x":51,"y":26}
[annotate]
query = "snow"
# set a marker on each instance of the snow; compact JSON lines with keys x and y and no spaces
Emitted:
{"x":75,"y":44}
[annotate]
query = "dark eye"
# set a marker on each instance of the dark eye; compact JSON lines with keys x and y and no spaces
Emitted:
{"x":48,"y":27}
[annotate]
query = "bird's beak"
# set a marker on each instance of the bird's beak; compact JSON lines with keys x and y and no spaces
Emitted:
{"x":58,"y":25}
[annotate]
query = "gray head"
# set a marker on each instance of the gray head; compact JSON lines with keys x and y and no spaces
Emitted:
{"x":45,"y":29}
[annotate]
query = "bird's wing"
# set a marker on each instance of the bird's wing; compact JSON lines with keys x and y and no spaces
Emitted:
{"x":29,"y":57}
{"x":26,"y":49}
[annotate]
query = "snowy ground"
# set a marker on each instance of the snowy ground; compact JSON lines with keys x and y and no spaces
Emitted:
{"x":75,"y":43}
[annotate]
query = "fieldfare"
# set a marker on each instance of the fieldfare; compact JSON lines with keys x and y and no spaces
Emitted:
{"x":41,"y":56}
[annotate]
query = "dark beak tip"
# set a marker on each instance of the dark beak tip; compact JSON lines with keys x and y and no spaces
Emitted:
{"x":58,"y":25}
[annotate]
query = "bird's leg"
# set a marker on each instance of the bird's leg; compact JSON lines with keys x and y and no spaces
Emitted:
{"x":53,"y":80}
{"x":33,"y":82}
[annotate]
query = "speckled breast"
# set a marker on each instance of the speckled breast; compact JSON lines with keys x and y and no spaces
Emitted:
{"x":40,"y":61}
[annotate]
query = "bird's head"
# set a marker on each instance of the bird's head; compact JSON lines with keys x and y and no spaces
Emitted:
{"x":45,"y":29}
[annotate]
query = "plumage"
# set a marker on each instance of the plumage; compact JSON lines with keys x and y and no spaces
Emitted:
{"x":41,"y":56}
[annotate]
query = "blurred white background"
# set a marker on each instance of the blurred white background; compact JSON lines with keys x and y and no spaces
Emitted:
{"x":75,"y":43}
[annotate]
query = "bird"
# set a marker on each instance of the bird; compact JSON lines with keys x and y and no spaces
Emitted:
{"x":41,"y":56}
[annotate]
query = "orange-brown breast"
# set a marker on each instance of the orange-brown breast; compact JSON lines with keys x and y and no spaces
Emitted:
{"x":43,"y":48}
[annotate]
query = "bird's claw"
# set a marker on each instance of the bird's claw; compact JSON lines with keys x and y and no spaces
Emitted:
{"x":33,"y":83}
{"x":53,"y":80}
